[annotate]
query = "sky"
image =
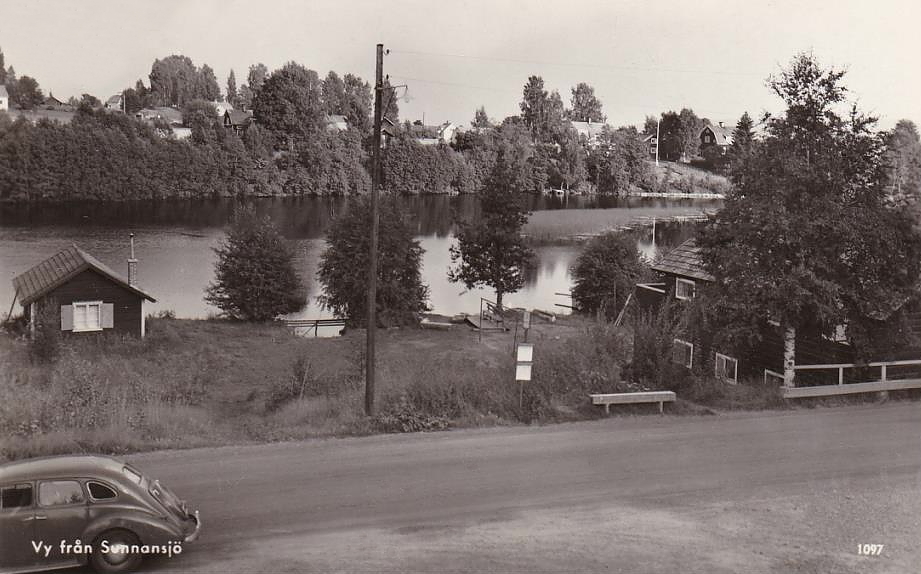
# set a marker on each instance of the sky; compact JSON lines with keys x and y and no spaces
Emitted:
{"x":642,"y":57}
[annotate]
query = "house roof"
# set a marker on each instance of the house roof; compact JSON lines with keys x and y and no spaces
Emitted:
{"x":61,"y":268}
{"x":722,"y":134}
{"x":3,"y":92}
{"x":116,"y":99}
{"x":685,"y":260}
{"x":588,"y":129}
{"x":238,"y":118}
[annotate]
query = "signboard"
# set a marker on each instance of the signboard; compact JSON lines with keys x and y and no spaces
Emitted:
{"x":524,"y":359}
{"x":525,"y":353}
{"x":523,"y":372}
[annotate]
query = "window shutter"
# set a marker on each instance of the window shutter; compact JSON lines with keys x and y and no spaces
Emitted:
{"x":108,"y":315}
{"x":67,"y":317}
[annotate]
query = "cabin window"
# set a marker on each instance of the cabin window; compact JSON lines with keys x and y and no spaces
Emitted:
{"x":87,"y":316}
{"x":683,"y":353}
{"x":726,"y":368}
{"x":684,"y":289}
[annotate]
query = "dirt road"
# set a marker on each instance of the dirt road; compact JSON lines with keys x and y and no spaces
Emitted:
{"x":774,"y":492}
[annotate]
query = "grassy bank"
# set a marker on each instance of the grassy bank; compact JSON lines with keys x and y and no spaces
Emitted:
{"x":203,"y":383}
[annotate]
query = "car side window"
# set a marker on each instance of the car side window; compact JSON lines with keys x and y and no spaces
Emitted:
{"x":59,"y":493}
{"x":99,"y":491}
{"x":15,"y":496}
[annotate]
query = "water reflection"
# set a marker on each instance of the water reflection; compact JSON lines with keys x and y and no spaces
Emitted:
{"x":175,"y":242}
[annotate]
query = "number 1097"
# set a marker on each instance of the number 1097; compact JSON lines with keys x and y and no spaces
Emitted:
{"x":870,"y":549}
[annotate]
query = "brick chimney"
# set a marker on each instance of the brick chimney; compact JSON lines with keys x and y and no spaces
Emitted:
{"x":132,"y":265}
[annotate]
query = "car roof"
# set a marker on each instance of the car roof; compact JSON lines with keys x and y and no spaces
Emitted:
{"x":61,"y":466}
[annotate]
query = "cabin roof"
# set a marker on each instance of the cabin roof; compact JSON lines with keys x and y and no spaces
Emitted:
{"x":722,"y":134}
{"x":61,"y":268}
{"x":685,"y":260}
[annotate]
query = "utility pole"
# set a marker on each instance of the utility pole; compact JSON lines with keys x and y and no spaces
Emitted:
{"x":372,"y":264}
{"x":657,"y":140}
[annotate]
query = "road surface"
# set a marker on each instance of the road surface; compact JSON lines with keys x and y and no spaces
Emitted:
{"x":793,"y":491}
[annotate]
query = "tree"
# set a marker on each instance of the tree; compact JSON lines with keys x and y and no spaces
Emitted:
{"x":232,"y":88}
{"x":358,"y":100}
{"x":28,"y":94}
{"x":491,"y":251}
{"x":343,"y":273}
{"x":806,"y":238}
{"x":200,"y":115}
{"x":903,"y":157}
{"x":2,"y":68}
{"x":255,"y":275}
{"x":289,"y":103}
{"x":481,"y":119}
{"x":605,"y":274}
{"x":586,"y":107}
{"x":743,"y":141}
{"x":90,"y":100}
{"x":534,"y":105}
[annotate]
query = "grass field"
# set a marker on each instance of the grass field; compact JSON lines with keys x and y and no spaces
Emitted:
{"x":195,"y":383}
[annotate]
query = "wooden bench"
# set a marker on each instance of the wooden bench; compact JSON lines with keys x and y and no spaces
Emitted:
{"x":609,"y":399}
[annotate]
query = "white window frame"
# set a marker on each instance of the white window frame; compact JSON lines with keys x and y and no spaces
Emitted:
{"x":88,"y":305}
{"x":690,"y":346}
{"x":692,"y":284}
{"x":735,"y":371}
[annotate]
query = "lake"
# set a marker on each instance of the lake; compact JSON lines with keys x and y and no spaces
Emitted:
{"x":175,"y":240}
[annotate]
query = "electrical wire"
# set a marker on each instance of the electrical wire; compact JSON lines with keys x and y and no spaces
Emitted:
{"x":574,"y":65}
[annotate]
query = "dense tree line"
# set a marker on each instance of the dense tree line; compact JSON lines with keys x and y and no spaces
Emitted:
{"x":105,"y":156}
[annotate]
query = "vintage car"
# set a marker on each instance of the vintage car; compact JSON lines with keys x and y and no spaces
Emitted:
{"x":64,"y":511}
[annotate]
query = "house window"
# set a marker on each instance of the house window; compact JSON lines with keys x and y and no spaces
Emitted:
{"x":684,"y":289}
{"x":726,"y":368}
{"x":87,"y":316}
{"x":683,"y":353}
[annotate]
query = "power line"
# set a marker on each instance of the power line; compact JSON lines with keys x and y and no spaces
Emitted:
{"x":575,"y":64}
{"x":518,"y":93}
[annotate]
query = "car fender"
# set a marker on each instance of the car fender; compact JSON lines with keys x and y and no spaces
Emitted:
{"x":149,"y":528}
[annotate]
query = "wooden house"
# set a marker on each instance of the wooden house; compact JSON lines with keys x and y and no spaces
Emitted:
{"x":716,"y":136}
{"x":82,"y":295}
{"x":819,"y":358}
{"x":4,"y":98}
{"x":237,"y":121}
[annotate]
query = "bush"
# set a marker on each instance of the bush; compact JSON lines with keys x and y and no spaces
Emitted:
{"x":605,"y":274}
{"x":255,"y":275}
{"x":653,"y":366}
{"x":45,"y":346}
{"x":401,"y":294}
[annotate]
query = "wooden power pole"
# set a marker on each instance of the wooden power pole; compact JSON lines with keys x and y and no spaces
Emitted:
{"x":372,"y":263}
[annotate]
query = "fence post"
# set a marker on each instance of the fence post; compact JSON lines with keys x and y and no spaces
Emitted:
{"x":840,"y":375}
{"x":883,"y":368}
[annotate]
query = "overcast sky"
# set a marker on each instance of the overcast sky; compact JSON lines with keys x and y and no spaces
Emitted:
{"x":642,"y":57}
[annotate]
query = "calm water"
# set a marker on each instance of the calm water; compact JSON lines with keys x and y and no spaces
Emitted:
{"x":175,"y":240}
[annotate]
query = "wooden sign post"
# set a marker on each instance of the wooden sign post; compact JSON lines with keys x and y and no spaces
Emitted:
{"x":524,"y":359}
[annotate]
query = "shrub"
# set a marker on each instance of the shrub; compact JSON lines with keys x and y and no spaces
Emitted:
{"x":401,"y":294}
{"x":45,"y":346}
{"x":255,"y":275}
{"x":605,"y":274}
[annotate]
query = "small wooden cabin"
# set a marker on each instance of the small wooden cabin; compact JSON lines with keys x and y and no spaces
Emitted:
{"x":82,"y":294}
{"x":681,"y":274}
